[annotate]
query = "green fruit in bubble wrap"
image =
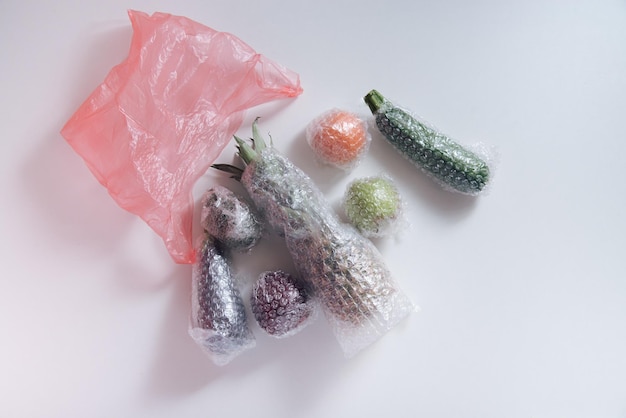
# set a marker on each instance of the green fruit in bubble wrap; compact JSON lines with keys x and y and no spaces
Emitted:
{"x":373,"y":205}
{"x":345,"y":271}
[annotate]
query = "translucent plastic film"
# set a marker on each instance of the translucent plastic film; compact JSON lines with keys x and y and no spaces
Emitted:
{"x":161,"y":117}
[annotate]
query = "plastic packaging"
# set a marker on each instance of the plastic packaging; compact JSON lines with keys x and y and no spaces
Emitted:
{"x":346,"y":272}
{"x":281,"y":304}
{"x":218,"y":315}
{"x":161,"y":117}
{"x":455,"y":167}
{"x":373,"y":205}
{"x":338,"y":138}
{"x":229,"y":219}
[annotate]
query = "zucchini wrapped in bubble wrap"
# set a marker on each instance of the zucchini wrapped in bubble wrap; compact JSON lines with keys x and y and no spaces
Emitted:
{"x":455,"y":167}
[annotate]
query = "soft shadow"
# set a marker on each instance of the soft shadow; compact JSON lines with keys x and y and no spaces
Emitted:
{"x":181,"y":367}
{"x":105,"y":46}
{"x":307,"y":364}
{"x":72,"y":206}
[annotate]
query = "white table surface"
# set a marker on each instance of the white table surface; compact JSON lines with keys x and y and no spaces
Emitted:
{"x":522,"y":291}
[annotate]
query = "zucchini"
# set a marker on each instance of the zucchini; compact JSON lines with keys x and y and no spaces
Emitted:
{"x":454,"y":166}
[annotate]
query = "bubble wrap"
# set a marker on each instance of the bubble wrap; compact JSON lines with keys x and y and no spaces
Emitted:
{"x":281,"y":304}
{"x":338,"y":138}
{"x":229,"y":219}
{"x":374,"y":206}
{"x":345,"y":270}
{"x":457,"y":168}
{"x":218,"y":316}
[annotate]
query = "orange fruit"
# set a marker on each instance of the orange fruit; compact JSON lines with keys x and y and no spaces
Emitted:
{"x":338,"y":137}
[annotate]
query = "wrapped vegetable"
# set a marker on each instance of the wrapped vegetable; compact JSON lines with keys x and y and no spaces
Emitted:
{"x":345,"y":270}
{"x":161,"y":117}
{"x":218,"y":315}
{"x":452,"y":165}
{"x":229,"y":219}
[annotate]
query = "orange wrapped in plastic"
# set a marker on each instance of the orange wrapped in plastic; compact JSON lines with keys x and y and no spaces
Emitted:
{"x":338,"y":138}
{"x":162,"y":116}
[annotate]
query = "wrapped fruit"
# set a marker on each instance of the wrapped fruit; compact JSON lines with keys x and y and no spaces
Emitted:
{"x":373,"y":205}
{"x":344,"y":270}
{"x":229,"y":219}
{"x":218,"y":315}
{"x":339,"y":138}
{"x":281,"y":304}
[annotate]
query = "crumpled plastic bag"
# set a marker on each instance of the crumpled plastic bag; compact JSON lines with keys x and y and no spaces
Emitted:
{"x":161,"y":117}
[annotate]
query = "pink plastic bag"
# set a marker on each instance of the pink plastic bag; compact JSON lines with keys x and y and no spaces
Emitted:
{"x":161,"y":117}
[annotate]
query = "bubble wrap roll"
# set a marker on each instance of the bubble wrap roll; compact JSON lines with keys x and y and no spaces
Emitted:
{"x":218,"y":316}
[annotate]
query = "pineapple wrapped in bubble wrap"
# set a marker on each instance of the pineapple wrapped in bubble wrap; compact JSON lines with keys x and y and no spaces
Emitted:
{"x":346,"y":272}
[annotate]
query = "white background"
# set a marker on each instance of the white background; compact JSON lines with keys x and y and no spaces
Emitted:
{"x":523,"y":291}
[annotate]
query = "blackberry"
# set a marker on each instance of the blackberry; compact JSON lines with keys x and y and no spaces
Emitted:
{"x":280,"y":303}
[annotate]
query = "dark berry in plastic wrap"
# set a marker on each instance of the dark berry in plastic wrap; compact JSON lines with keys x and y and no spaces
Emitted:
{"x":280,"y":303}
{"x":229,"y":219}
